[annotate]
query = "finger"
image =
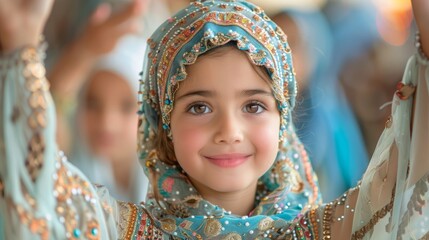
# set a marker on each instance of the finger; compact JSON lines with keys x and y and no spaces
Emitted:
{"x":101,"y":14}
{"x":141,"y":5}
{"x":134,"y":9}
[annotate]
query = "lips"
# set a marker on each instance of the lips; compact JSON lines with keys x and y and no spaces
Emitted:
{"x":228,"y":160}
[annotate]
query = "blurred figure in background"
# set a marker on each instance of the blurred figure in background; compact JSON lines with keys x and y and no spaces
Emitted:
{"x":95,"y":92}
{"x":105,"y":143}
{"x":77,"y":52}
{"x":324,"y":120}
{"x":370,"y":70}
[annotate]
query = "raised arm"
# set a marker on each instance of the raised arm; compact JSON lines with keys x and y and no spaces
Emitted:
{"x":42,"y":196}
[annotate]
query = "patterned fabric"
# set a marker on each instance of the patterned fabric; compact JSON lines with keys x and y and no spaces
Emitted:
{"x":42,"y":195}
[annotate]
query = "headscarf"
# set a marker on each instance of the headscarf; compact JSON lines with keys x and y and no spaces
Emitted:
{"x":288,"y":188}
{"x":272,"y":7}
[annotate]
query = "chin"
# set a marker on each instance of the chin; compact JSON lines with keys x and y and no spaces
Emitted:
{"x":103,"y":152}
{"x":230,"y":187}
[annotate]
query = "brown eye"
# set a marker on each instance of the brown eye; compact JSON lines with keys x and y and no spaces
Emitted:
{"x":254,"y":108}
{"x":198,"y":109}
{"x":128,"y":107}
{"x":92,"y":104}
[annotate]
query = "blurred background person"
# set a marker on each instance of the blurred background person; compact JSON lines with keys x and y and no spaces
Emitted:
{"x":373,"y":42}
{"x":104,"y":131}
{"x":95,"y":90}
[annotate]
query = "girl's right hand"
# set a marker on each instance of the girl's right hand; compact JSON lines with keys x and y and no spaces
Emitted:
{"x":22,"y":22}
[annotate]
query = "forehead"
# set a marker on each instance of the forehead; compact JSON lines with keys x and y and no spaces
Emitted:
{"x":225,"y":63}
{"x":108,"y":83}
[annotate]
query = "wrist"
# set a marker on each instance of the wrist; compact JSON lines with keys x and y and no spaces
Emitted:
{"x":419,"y":45}
{"x":11,"y":42}
{"x":37,"y":50}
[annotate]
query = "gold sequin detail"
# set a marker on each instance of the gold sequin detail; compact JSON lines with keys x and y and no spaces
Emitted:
{"x":313,"y":220}
{"x":233,"y":236}
{"x":389,"y":122}
{"x":265,"y":224}
{"x":131,"y":220}
{"x":37,"y":85}
{"x":360,"y":234}
{"x":37,"y":226}
{"x":327,"y":220}
{"x":168,"y":225}
{"x":70,"y":189}
{"x":212,"y":228}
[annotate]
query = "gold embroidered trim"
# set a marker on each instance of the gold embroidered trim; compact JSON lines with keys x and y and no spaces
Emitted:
{"x":313,"y":220}
{"x":37,"y":226}
{"x":131,"y":221}
{"x":75,"y":203}
{"x":359,"y":234}
{"x":327,"y":220}
{"x":37,"y":85}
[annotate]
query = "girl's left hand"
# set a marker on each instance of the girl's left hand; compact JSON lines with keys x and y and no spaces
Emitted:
{"x":22,"y":22}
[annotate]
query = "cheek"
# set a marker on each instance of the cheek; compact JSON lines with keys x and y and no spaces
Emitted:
{"x":188,"y":139}
{"x":87,"y":122}
{"x":265,"y":136}
{"x":131,"y":127}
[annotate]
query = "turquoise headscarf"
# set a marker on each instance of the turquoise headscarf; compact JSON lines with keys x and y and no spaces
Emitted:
{"x":288,"y":189}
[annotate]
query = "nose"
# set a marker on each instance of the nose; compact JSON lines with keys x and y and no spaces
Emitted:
{"x":108,"y":120}
{"x":229,"y":129}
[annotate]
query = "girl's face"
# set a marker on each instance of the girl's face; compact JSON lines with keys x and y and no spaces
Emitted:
{"x":225,"y":123}
{"x":109,"y":118}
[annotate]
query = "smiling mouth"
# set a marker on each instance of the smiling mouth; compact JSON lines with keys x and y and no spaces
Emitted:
{"x":228,"y":160}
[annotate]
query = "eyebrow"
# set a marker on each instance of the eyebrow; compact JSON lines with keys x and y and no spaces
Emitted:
{"x":252,"y":92}
{"x":206,"y":93}
{"x":202,"y":93}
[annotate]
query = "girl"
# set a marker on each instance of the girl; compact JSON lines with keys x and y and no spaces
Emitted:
{"x":224,"y":162}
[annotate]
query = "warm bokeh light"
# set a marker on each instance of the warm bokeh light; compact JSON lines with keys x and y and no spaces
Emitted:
{"x":393,"y":20}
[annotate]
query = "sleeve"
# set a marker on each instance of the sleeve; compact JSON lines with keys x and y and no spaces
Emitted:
{"x":42,"y":196}
{"x":391,"y":201}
